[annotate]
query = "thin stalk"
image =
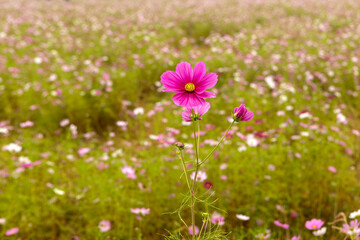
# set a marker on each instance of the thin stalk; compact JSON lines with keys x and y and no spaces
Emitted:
{"x":202,"y":227}
{"x":185,"y":171}
{"x":217,"y":145}
{"x":193,"y":199}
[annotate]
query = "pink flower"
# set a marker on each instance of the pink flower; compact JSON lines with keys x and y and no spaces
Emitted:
{"x":216,"y":218}
{"x":352,"y":229}
{"x":83,"y":151}
{"x":200,"y":177}
{"x":332,"y":169}
{"x":104,"y":226}
{"x":242,"y":114}
{"x":314,"y":224}
{"x":294,"y":214}
{"x":188,"y":84}
{"x":196,"y":230}
{"x":295,"y":238}
{"x":142,"y":211}
{"x":26,"y":124}
{"x":195,"y":113}
{"x":12,"y":231}
{"x":129,"y":172}
{"x":282,"y":225}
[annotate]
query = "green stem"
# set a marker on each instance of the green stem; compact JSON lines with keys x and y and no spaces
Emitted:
{"x":193,"y":200}
{"x":217,"y":145}
{"x":185,"y":171}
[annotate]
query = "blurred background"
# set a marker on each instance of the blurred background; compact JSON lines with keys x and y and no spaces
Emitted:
{"x":86,"y":133}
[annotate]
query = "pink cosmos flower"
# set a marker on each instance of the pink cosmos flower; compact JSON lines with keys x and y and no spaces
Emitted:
{"x":129,"y":172}
{"x":195,"y":113}
{"x":142,"y":211}
{"x":314,"y":224}
{"x":12,"y":231}
{"x":295,"y":238}
{"x":282,"y":225}
{"x":352,"y":229}
{"x":26,"y":124}
{"x":83,"y":151}
{"x":200,"y":177}
{"x":189,"y":84}
{"x":216,"y":218}
{"x":242,"y":114}
{"x":104,"y":226}
{"x":196,"y":230}
{"x":332,"y":169}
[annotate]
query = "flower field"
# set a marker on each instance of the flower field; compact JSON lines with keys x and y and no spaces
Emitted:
{"x":127,"y":119}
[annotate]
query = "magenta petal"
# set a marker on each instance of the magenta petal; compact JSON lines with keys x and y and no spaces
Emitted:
{"x":240,"y":111}
{"x":204,"y":108}
{"x":208,"y":81}
{"x":185,"y":71}
{"x":186,"y":115}
{"x":199,"y":72}
{"x":248,"y":116}
{"x":206,"y":95}
{"x":172,"y":81}
{"x":195,"y":100}
{"x":181,"y":99}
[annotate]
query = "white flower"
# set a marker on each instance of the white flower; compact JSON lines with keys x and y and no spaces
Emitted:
{"x":340,"y":118}
{"x":2,"y":221}
{"x":242,"y":148}
{"x":52,"y":77}
{"x":251,"y":140}
{"x":242,"y":217}
{"x":64,"y":122}
{"x":38,"y":60}
{"x":320,"y":232}
{"x":289,"y":108}
{"x":4,"y":130}
{"x":270,"y":81}
{"x":354,"y":214}
{"x":201,"y":176}
{"x":186,"y":123}
{"x":121,"y":123}
{"x":12,"y":147}
{"x":139,"y":111}
{"x":23,"y":159}
{"x":305,"y":115}
{"x":304,"y":134}
{"x":59,"y":191}
{"x":117,"y":153}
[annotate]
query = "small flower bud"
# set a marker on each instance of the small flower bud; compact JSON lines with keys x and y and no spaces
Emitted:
{"x":180,"y":145}
{"x":242,"y":114}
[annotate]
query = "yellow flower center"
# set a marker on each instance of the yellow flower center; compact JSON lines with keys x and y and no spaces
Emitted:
{"x":190,"y":87}
{"x":314,"y":226}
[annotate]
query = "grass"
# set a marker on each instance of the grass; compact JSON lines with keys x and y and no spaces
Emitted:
{"x":102,"y":60}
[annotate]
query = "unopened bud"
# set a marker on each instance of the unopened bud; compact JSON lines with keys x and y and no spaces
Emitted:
{"x":180,"y":145}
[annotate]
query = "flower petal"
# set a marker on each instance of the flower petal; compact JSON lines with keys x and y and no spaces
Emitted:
{"x":186,"y":115}
{"x":199,"y":72}
{"x":240,"y":111}
{"x":185,"y":71}
{"x":248,"y":116}
{"x":204,"y":108}
{"x":206,"y":95}
{"x":194,"y":100}
{"x":181,"y":99}
{"x":172,"y":81}
{"x":208,"y":81}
